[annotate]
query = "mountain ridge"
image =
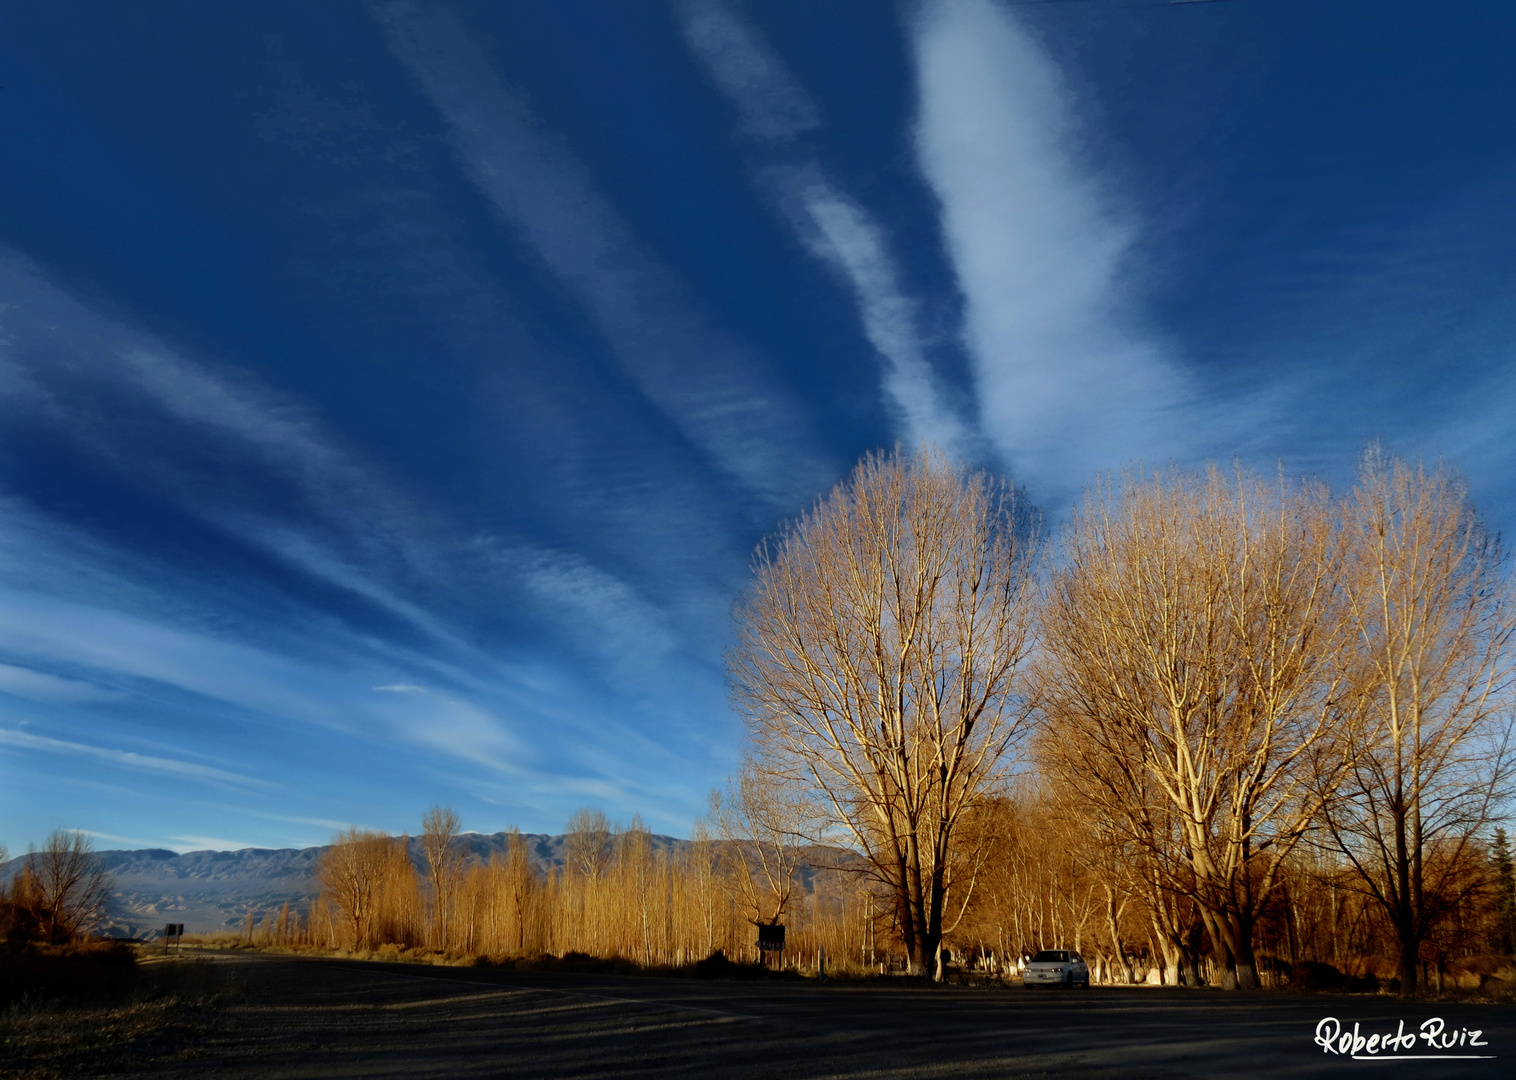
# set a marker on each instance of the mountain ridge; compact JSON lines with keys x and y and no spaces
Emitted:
{"x":212,"y":891}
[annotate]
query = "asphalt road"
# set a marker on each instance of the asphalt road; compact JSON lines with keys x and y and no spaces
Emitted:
{"x":314,"y":1018}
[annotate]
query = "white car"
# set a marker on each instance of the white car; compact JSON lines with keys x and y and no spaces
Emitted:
{"x":1057,"y":967}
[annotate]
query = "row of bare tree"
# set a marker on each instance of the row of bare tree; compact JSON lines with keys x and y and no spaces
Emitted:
{"x":1220,"y":676}
{"x":618,"y":893}
{"x":1048,"y":879}
{"x":1238,"y":709}
{"x":1044,"y":879}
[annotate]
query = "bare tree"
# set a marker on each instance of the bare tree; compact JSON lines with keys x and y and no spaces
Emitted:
{"x":634,"y":853}
{"x":763,"y":820}
{"x":444,"y":861}
{"x":1193,"y":678}
{"x":588,"y":852}
{"x":877,"y":662}
{"x":71,"y":885}
{"x":1432,"y":625}
{"x":352,"y":872}
{"x":522,"y":885}
{"x":587,"y":845}
{"x":701,"y":866}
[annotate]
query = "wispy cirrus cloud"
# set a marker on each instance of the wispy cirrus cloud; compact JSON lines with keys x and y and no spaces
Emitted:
{"x":537,"y":727}
{"x":834,"y":227}
{"x":841,"y":233}
{"x":129,"y":759}
{"x":1068,"y":378}
{"x":564,"y":438}
{"x":331,"y":687}
{"x":709,"y":386}
{"x":110,"y":837}
{"x":748,"y":71}
{"x":459,"y":728}
{"x":93,"y":378}
{"x":184,"y":844}
{"x":44,"y":687}
{"x":72,"y":601}
{"x":341,"y":521}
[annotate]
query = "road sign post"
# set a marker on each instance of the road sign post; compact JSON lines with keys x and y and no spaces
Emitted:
{"x":1426,"y":952}
{"x":770,"y":939}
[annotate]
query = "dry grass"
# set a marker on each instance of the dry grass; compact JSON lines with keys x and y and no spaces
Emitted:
{"x":50,"y":1041}
{"x":716,"y":966}
{"x":98,"y":1010}
{"x":1487,"y":990}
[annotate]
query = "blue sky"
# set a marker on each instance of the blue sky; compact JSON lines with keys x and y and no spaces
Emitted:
{"x":391,"y":394}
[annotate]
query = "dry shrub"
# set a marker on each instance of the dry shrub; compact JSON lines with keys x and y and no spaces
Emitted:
{"x":105,"y":971}
{"x":88,"y":1009}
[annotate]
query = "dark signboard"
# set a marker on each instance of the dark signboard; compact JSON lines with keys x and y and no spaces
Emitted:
{"x":771,"y":938}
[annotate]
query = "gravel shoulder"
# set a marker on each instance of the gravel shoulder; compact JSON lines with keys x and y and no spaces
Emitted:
{"x":319,"y":1018}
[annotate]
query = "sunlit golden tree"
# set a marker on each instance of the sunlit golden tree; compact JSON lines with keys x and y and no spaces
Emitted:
{"x":444,"y":862}
{"x":878,"y":658}
{"x":1193,"y":681}
{"x":1431,"y":623}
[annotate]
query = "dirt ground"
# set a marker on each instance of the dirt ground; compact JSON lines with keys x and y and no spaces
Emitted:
{"x":317,"y":1019}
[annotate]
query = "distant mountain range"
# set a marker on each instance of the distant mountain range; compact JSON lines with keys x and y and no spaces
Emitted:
{"x":211,"y":891}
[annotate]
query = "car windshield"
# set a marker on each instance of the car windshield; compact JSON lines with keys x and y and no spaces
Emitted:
{"x":1051,"y":956}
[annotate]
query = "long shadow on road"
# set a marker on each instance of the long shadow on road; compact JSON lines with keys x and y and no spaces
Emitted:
{"x":317,"y":1017}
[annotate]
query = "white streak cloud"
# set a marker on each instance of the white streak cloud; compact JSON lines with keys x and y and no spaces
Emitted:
{"x":1066,"y":382}
{"x":845,"y":236}
{"x":834,"y":227}
{"x":51,"y":689}
{"x":455,"y":727}
{"x":747,"y":70}
{"x":93,"y":835}
{"x":128,"y":759}
{"x":350,"y":528}
{"x":710,"y":387}
{"x":208,"y":843}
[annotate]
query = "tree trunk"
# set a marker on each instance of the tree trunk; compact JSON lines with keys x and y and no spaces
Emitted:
{"x":1242,"y":951}
{"x":1112,"y":917}
{"x":1409,"y":967}
{"x":1171,"y":957}
{"x":1190,"y":953}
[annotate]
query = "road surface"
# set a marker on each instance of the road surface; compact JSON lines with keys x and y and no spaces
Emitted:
{"x":320,"y":1018}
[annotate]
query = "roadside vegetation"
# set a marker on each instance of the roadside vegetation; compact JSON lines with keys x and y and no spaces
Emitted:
{"x":1223,"y":729}
{"x":72,"y":1004}
{"x":1219,"y":712}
